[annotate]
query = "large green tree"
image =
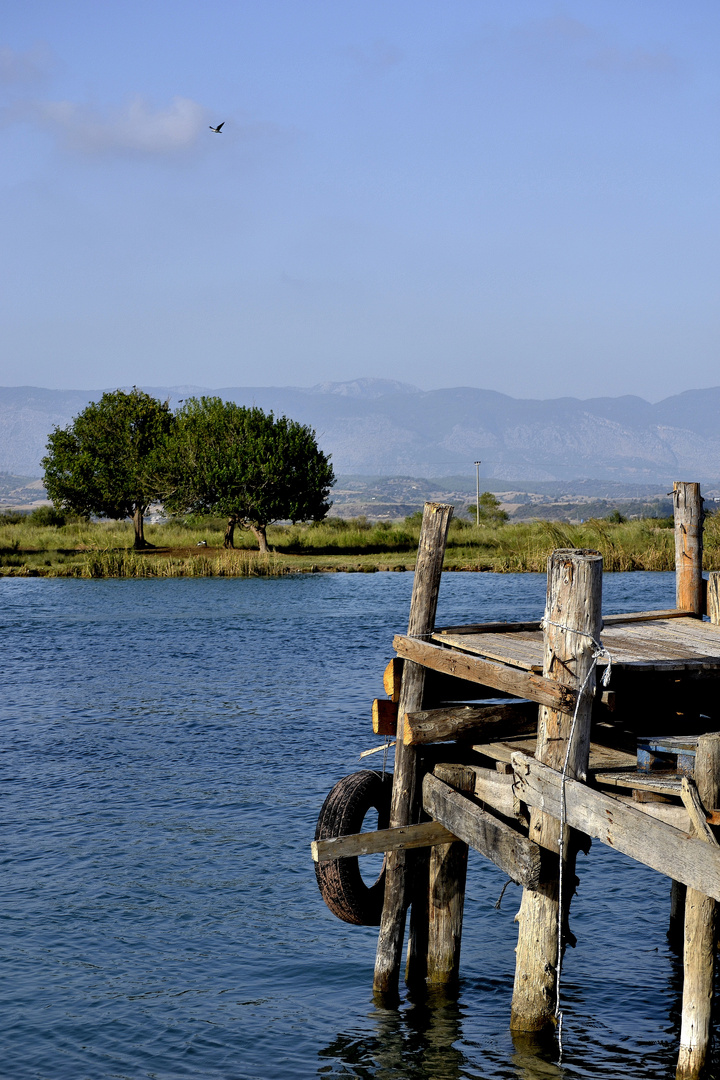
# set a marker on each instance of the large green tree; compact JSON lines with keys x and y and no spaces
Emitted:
{"x":106,"y":462}
{"x":247,"y":465}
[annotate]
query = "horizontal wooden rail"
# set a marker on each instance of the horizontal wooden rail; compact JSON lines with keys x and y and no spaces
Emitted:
{"x":516,"y":627}
{"x":516,"y":681}
{"x":519,"y":857}
{"x":470,"y":721}
{"x":633,"y":832}
{"x":426,"y":834}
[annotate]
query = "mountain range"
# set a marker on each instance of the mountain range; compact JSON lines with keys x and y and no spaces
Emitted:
{"x":383,"y":428}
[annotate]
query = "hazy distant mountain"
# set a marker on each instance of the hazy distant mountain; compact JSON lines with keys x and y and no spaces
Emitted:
{"x":382,"y":427}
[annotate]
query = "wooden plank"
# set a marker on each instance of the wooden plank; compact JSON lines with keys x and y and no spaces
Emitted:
{"x":614,"y":822}
{"x":402,"y":838}
{"x":511,"y":649}
{"x":421,"y":623}
{"x":681,"y":638}
{"x":469,"y":721}
{"x":519,"y":857}
{"x":384,"y":716}
{"x":522,"y":684}
{"x":645,"y":781}
{"x":513,"y":627}
{"x":601,"y":757}
{"x":490,"y":787}
{"x":645,"y":616}
{"x":489,"y":628}
{"x":503,"y":751}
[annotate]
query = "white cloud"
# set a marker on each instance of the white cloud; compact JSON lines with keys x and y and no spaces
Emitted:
{"x":592,"y":46}
{"x":24,"y":67}
{"x":136,"y":128}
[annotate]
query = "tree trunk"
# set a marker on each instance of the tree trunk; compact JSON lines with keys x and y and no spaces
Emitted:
{"x":140,"y":541}
{"x":228,"y":542}
{"x":259,"y":532}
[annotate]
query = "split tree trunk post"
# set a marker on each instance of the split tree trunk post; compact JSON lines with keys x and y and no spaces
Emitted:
{"x":699,"y":953}
{"x":687,"y":507}
{"x":423,"y":605}
{"x":688,"y":503}
{"x":574,"y":601}
{"x":439,"y":939}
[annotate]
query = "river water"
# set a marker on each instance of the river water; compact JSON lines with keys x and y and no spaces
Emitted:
{"x":167,"y":746}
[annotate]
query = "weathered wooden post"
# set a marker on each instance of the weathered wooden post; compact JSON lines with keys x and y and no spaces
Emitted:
{"x":423,"y":605}
{"x":573,"y":619}
{"x":687,"y":507}
{"x":687,"y":503}
{"x":446,"y":898}
{"x":700,"y":937}
{"x":713,"y":596}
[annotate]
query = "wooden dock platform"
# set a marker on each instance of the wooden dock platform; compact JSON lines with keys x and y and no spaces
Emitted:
{"x":525,"y":742}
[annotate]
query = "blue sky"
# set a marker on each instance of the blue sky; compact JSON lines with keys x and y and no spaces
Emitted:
{"x":517,"y":195}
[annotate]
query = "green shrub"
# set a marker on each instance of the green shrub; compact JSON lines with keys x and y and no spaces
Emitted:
{"x":43,"y":517}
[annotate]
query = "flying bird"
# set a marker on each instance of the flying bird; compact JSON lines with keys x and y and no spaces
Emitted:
{"x":218,"y":129}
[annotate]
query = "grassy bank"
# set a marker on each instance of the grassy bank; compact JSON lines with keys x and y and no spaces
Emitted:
{"x":103,"y":549}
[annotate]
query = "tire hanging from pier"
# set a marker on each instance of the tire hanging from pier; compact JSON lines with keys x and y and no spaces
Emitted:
{"x":343,"y":812}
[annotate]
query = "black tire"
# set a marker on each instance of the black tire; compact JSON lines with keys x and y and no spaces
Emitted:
{"x":343,"y":812}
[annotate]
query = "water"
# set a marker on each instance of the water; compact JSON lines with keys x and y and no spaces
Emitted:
{"x":167,"y":746}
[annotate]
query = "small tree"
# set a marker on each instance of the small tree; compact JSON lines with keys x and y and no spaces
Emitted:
{"x":489,"y":511}
{"x":246,"y":465}
{"x":106,"y":461}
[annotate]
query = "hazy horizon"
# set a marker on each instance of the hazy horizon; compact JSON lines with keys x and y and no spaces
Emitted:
{"x":191,"y":388}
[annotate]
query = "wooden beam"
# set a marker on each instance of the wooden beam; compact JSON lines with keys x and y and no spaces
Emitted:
{"x":516,"y":681}
{"x":423,"y":606}
{"x":519,"y":857}
{"x":384,"y":716}
{"x":490,"y":787}
{"x":469,"y":721}
{"x":516,"y":627}
{"x":621,"y":826}
{"x":392,"y":678}
{"x":646,"y":616}
{"x":425,"y":834}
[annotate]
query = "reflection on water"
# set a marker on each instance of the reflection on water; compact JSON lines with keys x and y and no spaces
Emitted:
{"x":416,"y":1042}
{"x":535,"y":1058}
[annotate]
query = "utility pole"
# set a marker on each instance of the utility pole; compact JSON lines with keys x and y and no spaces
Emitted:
{"x":477,"y":492}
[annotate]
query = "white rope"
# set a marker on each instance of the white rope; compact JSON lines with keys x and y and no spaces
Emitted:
{"x":598,"y":651}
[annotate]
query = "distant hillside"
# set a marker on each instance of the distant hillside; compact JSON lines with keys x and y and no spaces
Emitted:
{"x":384,"y":428}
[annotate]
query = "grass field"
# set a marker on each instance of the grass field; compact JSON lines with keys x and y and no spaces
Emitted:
{"x":194,"y":548}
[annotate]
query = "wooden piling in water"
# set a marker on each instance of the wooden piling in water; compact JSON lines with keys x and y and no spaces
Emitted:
{"x":573,"y":618}
{"x":700,"y":933}
{"x":423,"y":605}
{"x":688,"y":503}
{"x":688,"y":513}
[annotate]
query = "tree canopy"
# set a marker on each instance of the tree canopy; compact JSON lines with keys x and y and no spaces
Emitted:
{"x":247,"y":465}
{"x":488,"y":510}
{"x":106,"y":461}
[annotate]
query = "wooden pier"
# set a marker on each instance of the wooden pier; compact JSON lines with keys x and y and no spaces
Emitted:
{"x":525,"y":742}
